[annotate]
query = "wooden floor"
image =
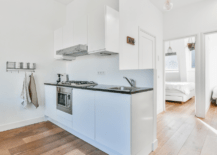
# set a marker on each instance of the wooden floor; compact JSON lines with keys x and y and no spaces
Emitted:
{"x":43,"y":139}
{"x":179,"y":132}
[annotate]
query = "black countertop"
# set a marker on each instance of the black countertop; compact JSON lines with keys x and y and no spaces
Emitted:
{"x":106,"y":88}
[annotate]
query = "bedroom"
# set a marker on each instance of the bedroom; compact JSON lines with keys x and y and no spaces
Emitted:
{"x":180,"y":71}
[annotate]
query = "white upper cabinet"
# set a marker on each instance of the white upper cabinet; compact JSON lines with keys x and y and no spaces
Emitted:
{"x":68,"y":35}
{"x":80,"y":31}
{"x":99,"y":30}
{"x":103,"y":30}
{"x":63,"y":38}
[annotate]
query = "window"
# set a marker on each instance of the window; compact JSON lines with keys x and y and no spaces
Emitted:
{"x":192,"y":59}
{"x":171,"y":63}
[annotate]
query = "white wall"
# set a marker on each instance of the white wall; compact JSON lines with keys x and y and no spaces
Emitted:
{"x":172,"y":76}
{"x":190,"y":20}
{"x":26,"y":35}
{"x":79,"y":8}
{"x":177,"y":46}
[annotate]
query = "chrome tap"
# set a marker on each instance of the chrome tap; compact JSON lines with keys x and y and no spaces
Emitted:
{"x":131,"y":82}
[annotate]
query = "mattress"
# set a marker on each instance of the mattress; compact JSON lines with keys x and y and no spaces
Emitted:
{"x":175,"y":95}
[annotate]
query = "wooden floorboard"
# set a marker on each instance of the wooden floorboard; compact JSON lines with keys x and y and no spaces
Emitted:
{"x":179,"y":132}
{"x":44,"y":139}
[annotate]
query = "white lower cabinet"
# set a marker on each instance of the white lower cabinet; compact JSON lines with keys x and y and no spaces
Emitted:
{"x":120,"y":122}
{"x":83,"y":112}
{"x":51,"y":108}
{"x":113,"y":121}
{"x":50,"y":101}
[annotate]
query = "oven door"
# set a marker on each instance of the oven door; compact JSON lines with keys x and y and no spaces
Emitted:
{"x":64,"y":99}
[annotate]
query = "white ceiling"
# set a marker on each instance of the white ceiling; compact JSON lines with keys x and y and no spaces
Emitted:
{"x":64,"y":1}
{"x":176,"y":3}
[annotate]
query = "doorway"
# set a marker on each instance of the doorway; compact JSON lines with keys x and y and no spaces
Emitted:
{"x":210,"y":48}
{"x":179,"y":72}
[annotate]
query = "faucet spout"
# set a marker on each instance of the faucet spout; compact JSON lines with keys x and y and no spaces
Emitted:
{"x":132,"y":82}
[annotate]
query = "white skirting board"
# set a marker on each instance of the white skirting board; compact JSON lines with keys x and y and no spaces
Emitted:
{"x":86,"y":139}
{"x":154,"y":145}
{"x":21,"y":124}
{"x":159,"y":111}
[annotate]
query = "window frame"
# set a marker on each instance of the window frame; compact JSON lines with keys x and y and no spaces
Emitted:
{"x":190,"y":61}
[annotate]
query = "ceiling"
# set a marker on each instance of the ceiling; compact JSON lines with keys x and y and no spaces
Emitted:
{"x":64,"y":1}
{"x":177,"y":3}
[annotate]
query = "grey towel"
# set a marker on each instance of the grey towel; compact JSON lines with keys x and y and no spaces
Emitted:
{"x":33,"y":91}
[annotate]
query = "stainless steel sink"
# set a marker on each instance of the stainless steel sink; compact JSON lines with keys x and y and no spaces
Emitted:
{"x":124,"y":88}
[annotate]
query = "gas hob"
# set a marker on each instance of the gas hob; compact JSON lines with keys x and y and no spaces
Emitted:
{"x":79,"y":83}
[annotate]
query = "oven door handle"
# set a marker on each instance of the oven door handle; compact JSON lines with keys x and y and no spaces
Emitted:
{"x":68,"y":100}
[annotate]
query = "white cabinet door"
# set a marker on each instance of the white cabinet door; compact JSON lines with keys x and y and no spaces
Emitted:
{"x":142,"y":111}
{"x":50,"y":101}
{"x":146,"y":50}
{"x":96,"y":30}
{"x":112,"y":30}
{"x":83,"y":112}
{"x":113,"y":116}
{"x":67,"y":35}
{"x":58,"y":42}
{"x":80,"y":31}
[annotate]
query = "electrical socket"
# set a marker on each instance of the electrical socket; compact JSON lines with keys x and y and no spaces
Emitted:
{"x":101,"y":73}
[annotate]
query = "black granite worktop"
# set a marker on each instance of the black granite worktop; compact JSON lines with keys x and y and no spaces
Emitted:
{"x":106,"y":88}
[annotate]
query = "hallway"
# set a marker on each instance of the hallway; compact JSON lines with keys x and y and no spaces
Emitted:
{"x":179,"y":132}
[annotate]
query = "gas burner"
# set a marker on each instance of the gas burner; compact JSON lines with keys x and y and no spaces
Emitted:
{"x":80,"y":83}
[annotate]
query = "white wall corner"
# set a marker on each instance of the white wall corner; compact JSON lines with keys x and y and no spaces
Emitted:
{"x":21,"y":124}
{"x":155,"y":145}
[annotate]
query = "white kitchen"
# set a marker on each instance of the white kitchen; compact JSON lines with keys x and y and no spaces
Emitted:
{"x":87,"y":77}
{"x":93,"y":76}
{"x":113,"y":114}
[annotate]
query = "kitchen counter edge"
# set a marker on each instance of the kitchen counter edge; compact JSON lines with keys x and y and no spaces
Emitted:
{"x":104,"y":88}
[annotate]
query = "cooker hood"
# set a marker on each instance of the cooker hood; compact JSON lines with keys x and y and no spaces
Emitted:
{"x":74,"y":51}
{"x":81,"y":50}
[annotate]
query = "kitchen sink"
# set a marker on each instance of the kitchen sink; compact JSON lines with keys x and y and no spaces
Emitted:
{"x":124,"y":88}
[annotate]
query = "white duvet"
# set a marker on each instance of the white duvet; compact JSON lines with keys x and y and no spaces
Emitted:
{"x":184,"y":87}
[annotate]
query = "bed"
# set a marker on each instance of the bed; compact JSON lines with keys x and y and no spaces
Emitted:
{"x":179,"y":91}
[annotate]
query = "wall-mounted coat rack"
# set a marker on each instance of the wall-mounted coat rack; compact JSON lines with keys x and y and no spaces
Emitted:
{"x":27,"y":67}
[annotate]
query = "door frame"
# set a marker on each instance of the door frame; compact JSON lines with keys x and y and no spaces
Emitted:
{"x":155,"y":141}
{"x":206,"y":60}
{"x":199,"y":70}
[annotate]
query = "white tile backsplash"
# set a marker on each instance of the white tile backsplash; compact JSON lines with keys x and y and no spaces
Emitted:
{"x":87,"y":68}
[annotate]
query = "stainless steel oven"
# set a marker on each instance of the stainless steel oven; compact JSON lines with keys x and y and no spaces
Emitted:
{"x":64,"y":99}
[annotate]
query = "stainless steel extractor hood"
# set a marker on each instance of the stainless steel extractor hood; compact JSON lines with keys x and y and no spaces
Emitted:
{"x":81,"y":50}
{"x":74,"y":51}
